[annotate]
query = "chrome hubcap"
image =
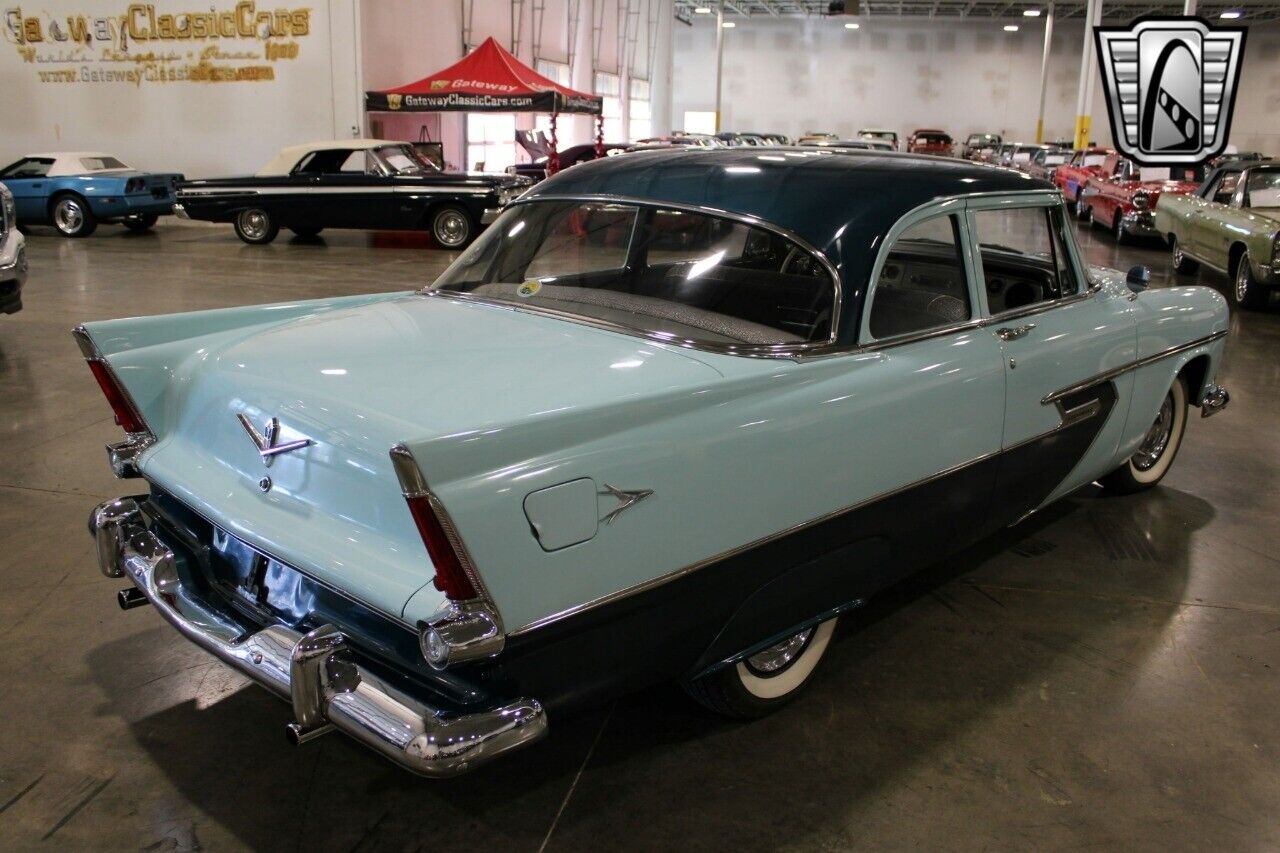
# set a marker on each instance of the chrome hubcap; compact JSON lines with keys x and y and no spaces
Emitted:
{"x":68,"y":216}
{"x":1177,"y":254}
{"x":1242,"y":279}
{"x":451,"y":229}
{"x":254,"y":224}
{"x":778,"y":657}
{"x":1157,"y":438}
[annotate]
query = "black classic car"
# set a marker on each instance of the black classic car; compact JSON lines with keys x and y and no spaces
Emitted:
{"x":351,"y":183}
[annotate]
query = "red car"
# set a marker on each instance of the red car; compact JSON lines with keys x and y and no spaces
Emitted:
{"x":926,"y":141}
{"x":1124,"y":201}
{"x":1071,"y":176}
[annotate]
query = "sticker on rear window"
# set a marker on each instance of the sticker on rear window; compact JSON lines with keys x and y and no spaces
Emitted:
{"x":529,"y":288}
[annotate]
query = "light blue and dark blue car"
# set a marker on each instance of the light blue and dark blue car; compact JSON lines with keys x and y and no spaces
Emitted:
{"x":75,"y":191}
{"x":667,"y":418}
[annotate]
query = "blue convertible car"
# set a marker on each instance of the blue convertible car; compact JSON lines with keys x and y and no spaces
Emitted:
{"x":666,"y":419}
{"x":75,"y":191}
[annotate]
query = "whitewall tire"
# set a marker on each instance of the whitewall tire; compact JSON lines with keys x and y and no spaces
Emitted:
{"x":763,"y":682}
{"x":1155,"y":454}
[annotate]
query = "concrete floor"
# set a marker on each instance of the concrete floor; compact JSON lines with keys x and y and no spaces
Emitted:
{"x":1104,"y":675}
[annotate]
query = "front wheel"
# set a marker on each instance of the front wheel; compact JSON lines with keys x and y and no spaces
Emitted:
{"x":72,"y":216}
{"x":1181,"y":263}
{"x":1250,"y":293}
{"x":761,"y":683}
{"x":256,"y":226}
{"x":1148,"y":465}
{"x":141,"y":222}
{"x":1117,"y":229}
{"x":452,"y":227}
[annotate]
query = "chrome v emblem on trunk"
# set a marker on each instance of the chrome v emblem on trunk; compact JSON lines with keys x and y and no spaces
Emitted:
{"x":267,"y":447}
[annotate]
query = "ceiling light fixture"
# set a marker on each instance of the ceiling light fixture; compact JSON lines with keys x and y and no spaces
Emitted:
{"x":851,"y":26}
{"x":1030,"y":13}
{"x":1232,"y":13}
{"x":728,"y":25}
{"x":1010,"y":28}
{"x":702,"y":10}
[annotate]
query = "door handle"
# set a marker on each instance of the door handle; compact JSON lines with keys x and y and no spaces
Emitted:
{"x":1012,"y":333}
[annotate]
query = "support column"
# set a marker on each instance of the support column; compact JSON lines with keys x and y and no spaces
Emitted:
{"x":1189,"y":7}
{"x":1044,"y":72}
{"x":1088,"y":71}
{"x":719,"y":56}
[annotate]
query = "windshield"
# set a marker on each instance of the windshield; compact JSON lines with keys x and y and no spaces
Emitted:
{"x":674,"y":274}
{"x":1094,"y":159}
{"x":404,"y":160}
{"x":1055,"y":158}
{"x":1263,"y":188}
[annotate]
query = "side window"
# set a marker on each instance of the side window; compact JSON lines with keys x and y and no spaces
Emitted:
{"x":922,"y":284}
{"x":1024,"y":258}
{"x":1226,"y":188}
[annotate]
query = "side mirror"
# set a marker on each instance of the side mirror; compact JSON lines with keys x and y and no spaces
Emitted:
{"x":1138,"y":278}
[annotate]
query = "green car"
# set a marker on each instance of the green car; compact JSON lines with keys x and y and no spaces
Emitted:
{"x":1231,"y":225}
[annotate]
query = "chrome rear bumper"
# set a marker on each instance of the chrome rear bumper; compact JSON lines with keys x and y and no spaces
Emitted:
{"x":315,"y":671}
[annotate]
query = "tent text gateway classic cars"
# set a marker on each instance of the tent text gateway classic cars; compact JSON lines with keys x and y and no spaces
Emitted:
{"x":668,"y":417}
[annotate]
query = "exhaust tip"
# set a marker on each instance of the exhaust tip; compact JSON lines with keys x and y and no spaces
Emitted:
{"x":297,"y":735}
{"x":131,"y":597}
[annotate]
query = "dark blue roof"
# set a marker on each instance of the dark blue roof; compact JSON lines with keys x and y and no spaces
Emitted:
{"x":843,"y":203}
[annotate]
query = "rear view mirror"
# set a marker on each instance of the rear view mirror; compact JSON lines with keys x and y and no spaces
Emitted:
{"x":1138,"y":278}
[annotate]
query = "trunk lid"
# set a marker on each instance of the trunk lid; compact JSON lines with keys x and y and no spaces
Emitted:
{"x":356,"y":381}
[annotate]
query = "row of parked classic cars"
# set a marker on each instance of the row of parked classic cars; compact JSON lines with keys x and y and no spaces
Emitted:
{"x":1227,"y":222}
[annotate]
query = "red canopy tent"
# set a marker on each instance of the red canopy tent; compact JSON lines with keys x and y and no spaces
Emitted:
{"x":490,"y":79}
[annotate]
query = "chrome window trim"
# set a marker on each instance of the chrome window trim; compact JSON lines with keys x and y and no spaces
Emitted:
{"x":1108,"y":375}
{"x":958,"y":204}
{"x":788,"y":350}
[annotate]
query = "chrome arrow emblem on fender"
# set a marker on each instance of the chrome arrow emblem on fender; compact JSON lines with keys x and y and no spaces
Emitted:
{"x":267,"y":447}
{"x":627,"y":499}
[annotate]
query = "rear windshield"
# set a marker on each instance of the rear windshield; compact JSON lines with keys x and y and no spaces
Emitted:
{"x":674,"y":274}
{"x":933,"y":138}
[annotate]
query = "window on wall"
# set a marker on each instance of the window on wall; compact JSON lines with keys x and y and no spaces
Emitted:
{"x":609,"y":87}
{"x":638,"y":106}
{"x":699,"y":121}
{"x":491,"y":141}
{"x":559,"y":72}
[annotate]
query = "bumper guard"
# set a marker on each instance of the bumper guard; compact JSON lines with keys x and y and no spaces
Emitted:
{"x":316,"y":672}
{"x":1215,"y":399}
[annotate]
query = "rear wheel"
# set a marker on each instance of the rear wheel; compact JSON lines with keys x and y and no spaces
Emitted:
{"x":1148,"y":465}
{"x":141,"y":222}
{"x":1181,"y":263}
{"x":72,"y":216}
{"x":256,"y":226}
{"x":1250,"y":293}
{"x":451,"y":226}
{"x":761,"y":683}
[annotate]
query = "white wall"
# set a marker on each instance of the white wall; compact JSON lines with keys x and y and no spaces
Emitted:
{"x":200,"y":128}
{"x":791,"y":75}
{"x":405,"y":40}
